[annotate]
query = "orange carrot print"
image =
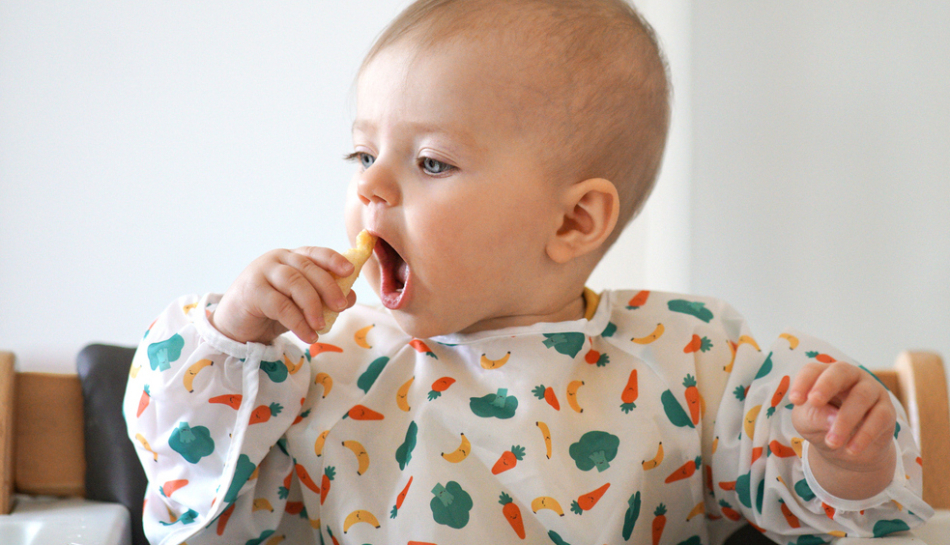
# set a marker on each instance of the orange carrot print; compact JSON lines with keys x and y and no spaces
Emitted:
{"x":304,"y":477}
{"x":685,"y":471}
{"x":361,"y":412}
{"x":546,"y":394}
{"x":508,"y":459}
{"x":829,"y":510}
{"x":693,"y":398}
{"x":263,"y":413}
{"x":231,"y":400}
{"x":638,"y":300}
{"x":659,"y":522}
{"x":778,"y":395}
{"x":319,"y":348}
{"x":587,"y":501}
{"x":422,"y":348}
{"x":440,"y":386}
{"x":294,"y":507}
{"x":170,"y":487}
{"x":727,"y":485}
{"x":143,"y":401}
{"x":790,"y":517}
{"x":630,"y":393}
{"x":823,"y":358}
{"x":399,"y":499}
{"x":223,"y":520}
{"x":756,"y":454}
{"x":328,"y":475}
{"x":780,"y":450}
{"x":698,"y":344}
{"x":728,"y":511}
{"x":594,"y":357}
{"x":513,"y":513}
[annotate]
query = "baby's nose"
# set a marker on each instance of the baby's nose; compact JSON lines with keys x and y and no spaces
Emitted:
{"x":378,"y":185}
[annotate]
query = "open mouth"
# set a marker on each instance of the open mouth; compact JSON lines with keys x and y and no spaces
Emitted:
{"x":394,"y":275}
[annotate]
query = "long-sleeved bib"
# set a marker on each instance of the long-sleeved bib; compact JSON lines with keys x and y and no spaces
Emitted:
{"x":657,"y":418}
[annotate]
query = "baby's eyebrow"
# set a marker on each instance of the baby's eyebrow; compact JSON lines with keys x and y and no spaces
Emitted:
{"x":460,"y":135}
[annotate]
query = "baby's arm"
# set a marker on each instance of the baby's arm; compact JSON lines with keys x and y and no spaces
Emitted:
{"x":772,"y":464}
{"x":204,"y":413}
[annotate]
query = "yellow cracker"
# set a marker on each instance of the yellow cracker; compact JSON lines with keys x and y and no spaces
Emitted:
{"x":357,"y":255}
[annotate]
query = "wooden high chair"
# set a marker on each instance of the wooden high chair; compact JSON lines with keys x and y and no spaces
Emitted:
{"x":42,"y":422}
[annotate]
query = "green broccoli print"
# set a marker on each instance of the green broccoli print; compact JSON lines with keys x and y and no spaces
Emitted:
{"x":187,"y":518}
{"x":744,"y":489}
{"x":276,"y":370}
{"x":161,"y":354}
{"x":631,"y":516}
{"x":568,"y":344}
{"x":369,"y":376}
{"x":609,"y":330}
{"x":499,"y":405}
{"x":809,"y":539}
{"x":556,"y":538}
{"x":404,"y":452}
{"x":886,"y":527}
{"x":765,"y":369}
{"x":692,"y":308}
{"x":191,"y":443}
{"x":594,"y":449}
{"x":451,"y":505}
{"x":258,"y":540}
{"x":674,"y":411}
{"x":804,"y":491}
{"x":242,"y":472}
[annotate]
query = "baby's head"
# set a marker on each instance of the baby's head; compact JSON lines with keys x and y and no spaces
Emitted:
{"x":509,"y":140}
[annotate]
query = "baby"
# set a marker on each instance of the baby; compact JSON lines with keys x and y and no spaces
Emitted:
{"x":500,"y":148}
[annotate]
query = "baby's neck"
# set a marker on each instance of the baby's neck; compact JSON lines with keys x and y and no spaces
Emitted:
{"x":574,"y":309}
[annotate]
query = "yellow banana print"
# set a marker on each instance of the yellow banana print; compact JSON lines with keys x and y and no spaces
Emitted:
{"x":572,"y":395}
{"x":291,"y":366}
{"x":145,"y":445}
{"x":460,"y":453}
{"x":546,"y":432}
{"x":657,"y":460}
{"x":274,"y":540}
{"x":326,"y":380}
{"x":745,"y":339}
{"x":749,"y":424}
{"x":362,"y":457}
{"x":715,"y":444}
{"x":318,"y":444}
{"x":134,"y":370}
{"x":792,"y":340}
{"x":797,"y":445}
{"x":192,"y":372}
{"x":656,"y":334}
{"x":494,"y":364}
{"x":360,"y":515}
{"x":262,"y":504}
{"x":188,"y":308}
{"x":360,"y":336}
{"x":402,"y":396}
{"x":546,"y":502}
{"x":699,"y":509}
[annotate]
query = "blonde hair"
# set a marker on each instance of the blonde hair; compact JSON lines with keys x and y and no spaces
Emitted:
{"x":613,"y":113}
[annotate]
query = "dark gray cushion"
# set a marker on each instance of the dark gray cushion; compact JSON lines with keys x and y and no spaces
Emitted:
{"x":113,"y":472}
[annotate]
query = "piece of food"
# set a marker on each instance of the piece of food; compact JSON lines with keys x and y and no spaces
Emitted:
{"x":357,"y":255}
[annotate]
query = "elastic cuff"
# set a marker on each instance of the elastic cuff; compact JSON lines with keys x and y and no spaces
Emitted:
{"x":226,"y":345}
{"x":880,"y":498}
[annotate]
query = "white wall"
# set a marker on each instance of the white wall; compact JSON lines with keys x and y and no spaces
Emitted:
{"x":149,"y":150}
{"x":821,"y":179}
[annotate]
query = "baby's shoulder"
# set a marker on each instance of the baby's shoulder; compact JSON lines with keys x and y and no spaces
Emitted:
{"x":632,"y":310}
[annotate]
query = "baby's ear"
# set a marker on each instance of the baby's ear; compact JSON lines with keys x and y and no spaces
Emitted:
{"x":589,"y":214}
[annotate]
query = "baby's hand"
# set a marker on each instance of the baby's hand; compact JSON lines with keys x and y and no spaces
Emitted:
{"x":283,"y":290}
{"x":844,"y":412}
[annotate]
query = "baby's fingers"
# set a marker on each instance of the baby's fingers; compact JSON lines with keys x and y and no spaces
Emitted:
{"x":804,"y":380}
{"x":878,"y":422}
{"x":834,"y":381}
{"x":282,"y":309}
{"x":859,"y":401}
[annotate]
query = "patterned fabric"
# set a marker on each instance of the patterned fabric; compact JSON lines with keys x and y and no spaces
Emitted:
{"x":657,"y":420}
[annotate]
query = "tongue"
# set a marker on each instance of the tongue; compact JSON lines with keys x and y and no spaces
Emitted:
{"x":401,"y":273}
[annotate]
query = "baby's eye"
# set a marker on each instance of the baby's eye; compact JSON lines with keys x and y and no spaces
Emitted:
{"x":431,"y":166}
{"x":366,"y":160}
